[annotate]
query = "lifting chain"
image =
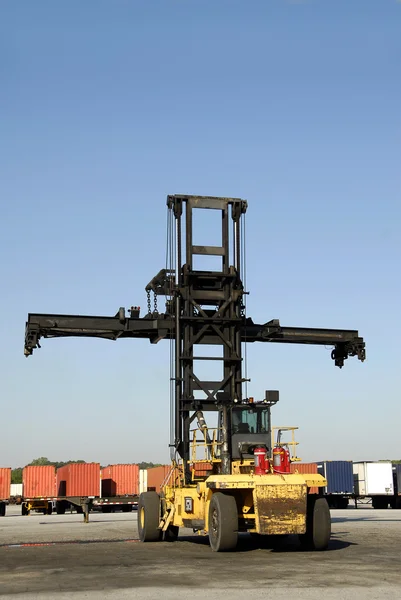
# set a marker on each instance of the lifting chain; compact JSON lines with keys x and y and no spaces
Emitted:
{"x":155,"y":303}
{"x":148,"y":301}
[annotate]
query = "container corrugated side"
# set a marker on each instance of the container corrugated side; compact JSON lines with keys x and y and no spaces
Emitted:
{"x":5,"y":482}
{"x":79,"y":479}
{"x":156,"y":477}
{"x":339,"y":475}
{"x":120,"y":480}
{"x":305,"y":469}
{"x":39,"y":481}
{"x":202,"y":469}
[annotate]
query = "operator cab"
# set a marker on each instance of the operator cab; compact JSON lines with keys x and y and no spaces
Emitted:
{"x":251,"y":426}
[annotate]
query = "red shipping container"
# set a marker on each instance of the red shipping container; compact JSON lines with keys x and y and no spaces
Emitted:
{"x":5,"y":482}
{"x":79,"y":479}
{"x":202,"y":469}
{"x":157,"y":476}
{"x":39,"y":481}
{"x":120,"y":480}
{"x":305,"y":469}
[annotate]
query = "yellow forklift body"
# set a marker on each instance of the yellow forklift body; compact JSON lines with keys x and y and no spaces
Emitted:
{"x":270,"y":504}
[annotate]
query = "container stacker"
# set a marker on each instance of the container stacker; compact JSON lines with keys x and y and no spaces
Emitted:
{"x":226,"y":476}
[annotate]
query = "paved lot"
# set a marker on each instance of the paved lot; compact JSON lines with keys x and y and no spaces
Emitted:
{"x":103,"y":559}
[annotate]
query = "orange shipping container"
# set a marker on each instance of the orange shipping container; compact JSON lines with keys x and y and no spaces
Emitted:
{"x":120,"y":480}
{"x":79,"y":479}
{"x":157,"y":476}
{"x":306,"y":468}
{"x":5,"y":482}
{"x":39,"y":481}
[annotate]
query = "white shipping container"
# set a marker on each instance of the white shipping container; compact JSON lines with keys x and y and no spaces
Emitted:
{"x":143,"y":480}
{"x":16,"y":489}
{"x":373,"y":478}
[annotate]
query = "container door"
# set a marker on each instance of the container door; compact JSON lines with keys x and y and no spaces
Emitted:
{"x":379,"y":479}
{"x":359,"y":478}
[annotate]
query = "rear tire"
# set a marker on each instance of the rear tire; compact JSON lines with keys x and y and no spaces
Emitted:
{"x":318,"y":525}
{"x":60,"y":508}
{"x":2,"y":509}
{"x":343,"y":503}
{"x":149,"y":517}
{"x":379,"y":502}
{"x":223,"y":522}
{"x":127,"y":508}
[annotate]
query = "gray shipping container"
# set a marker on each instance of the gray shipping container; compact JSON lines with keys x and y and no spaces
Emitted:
{"x":339,"y":475}
{"x":397,"y":479}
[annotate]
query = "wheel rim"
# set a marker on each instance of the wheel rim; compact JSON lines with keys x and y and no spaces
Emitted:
{"x":215,"y":523}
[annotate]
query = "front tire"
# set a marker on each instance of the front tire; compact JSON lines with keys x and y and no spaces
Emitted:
{"x":318,"y":525}
{"x":223,"y":522}
{"x":149,"y":517}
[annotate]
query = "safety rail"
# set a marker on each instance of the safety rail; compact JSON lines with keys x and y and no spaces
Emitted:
{"x":291,"y":445}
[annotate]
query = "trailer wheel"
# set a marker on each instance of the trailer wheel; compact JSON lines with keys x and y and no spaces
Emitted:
{"x":223,"y":522}
{"x":149,"y":517}
{"x":127,"y":508}
{"x":342,"y":503}
{"x":60,"y":508}
{"x":171,"y":533}
{"x":318,"y":525}
{"x":2,"y":509}
{"x":24,"y":510}
{"x":379,"y":502}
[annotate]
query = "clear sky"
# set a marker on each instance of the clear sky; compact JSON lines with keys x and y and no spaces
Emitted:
{"x":107,"y":107}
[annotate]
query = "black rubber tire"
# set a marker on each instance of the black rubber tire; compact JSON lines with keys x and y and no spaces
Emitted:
{"x":149,"y":517}
{"x":397,"y":503}
{"x":223,"y":522}
{"x":2,"y":509}
{"x":49,"y":508}
{"x":342,"y":503}
{"x":171,"y":533}
{"x":106,"y":509}
{"x":79,"y":510}
{"x":60,"y":508}
{"x":24,"y":511}
{"x":127,"y":508}
{"x":380,"y":503}
{"x":318,"y":525}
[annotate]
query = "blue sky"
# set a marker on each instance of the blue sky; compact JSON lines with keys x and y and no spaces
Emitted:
{"x":107,"y":107}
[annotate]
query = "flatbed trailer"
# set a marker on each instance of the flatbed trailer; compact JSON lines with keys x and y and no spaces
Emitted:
{"x":83,"y":505}
{"x":113,"y":503}
{"x":44,"y":505}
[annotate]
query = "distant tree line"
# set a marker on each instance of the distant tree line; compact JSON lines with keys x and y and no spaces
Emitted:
{"x":16,"y":474}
